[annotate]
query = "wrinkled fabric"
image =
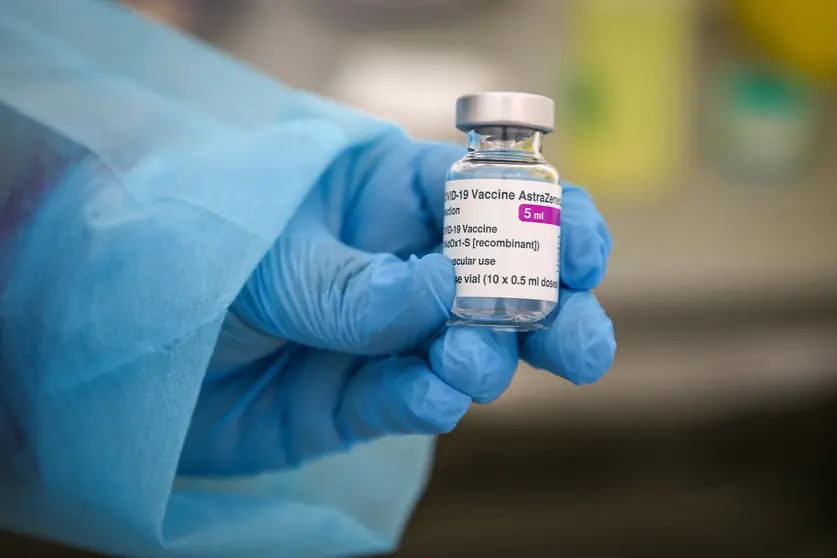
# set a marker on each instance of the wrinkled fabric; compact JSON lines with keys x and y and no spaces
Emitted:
{"x":144,"y":176}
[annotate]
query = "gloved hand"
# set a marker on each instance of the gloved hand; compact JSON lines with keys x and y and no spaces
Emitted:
{"x":319,"y":351}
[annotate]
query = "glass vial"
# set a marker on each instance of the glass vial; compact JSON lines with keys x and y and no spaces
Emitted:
{"x":502,"y":221}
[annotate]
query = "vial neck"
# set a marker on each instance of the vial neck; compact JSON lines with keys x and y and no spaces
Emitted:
{"x":505,"y":143}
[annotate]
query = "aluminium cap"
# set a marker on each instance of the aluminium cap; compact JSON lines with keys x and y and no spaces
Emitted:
{"x":505,"y":108}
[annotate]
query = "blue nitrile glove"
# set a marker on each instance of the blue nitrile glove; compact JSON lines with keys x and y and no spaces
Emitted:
{"x":317,"y":353}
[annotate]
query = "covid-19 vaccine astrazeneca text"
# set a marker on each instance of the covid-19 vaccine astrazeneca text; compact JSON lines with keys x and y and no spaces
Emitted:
{"x":502,"y":225}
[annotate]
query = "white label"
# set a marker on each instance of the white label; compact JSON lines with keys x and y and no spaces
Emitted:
{"x":503,"y":237}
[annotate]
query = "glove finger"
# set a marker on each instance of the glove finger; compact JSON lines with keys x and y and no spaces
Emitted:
{"x":398,"y":396}
{"x":314,"y":290}
{"x":585,"y":240}
{"x":580,"y":343}
{"x":401,"y":189}
{"x":475,"y":361}
{"x":301,"y":404}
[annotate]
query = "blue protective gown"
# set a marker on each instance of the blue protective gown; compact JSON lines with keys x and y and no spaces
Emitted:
{"x":114,"y":284}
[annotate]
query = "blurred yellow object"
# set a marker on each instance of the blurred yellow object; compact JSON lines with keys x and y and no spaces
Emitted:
{"x":802,"y":33}
{"x":628,"y":109}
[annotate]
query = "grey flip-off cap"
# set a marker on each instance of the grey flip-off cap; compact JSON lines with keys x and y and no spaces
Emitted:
{"x":505,"y":108}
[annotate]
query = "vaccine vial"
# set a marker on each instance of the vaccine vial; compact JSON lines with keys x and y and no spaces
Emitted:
{"x":502,"y":221}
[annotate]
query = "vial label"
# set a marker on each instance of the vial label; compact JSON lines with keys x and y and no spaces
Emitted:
{"x":503,"y":237}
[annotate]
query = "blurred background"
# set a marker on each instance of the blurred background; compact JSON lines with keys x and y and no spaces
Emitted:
{"x":706,"y":131}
